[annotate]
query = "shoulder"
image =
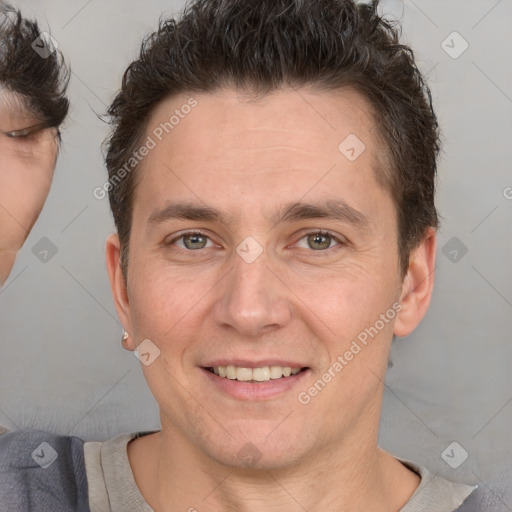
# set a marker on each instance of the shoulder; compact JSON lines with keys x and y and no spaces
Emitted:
{"x":110,"y":478}
{"x":42,"y":471}
{"x":434,"y":493}
{"x":483,"y":499}
{"x":440,"y":495}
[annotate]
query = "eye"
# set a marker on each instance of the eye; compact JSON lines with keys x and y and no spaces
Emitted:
{"x":315,"y":240}
{"x":319,"y":240}
{"x":26,"y":132}
{"x":191,"y":241}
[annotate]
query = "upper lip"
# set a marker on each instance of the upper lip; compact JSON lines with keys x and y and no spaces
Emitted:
{"x":240,"y":363}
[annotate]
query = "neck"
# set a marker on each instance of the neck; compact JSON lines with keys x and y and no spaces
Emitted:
{"x":353,"y":475}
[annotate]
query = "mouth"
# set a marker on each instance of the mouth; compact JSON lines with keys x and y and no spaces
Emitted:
{"x":255,"y":375}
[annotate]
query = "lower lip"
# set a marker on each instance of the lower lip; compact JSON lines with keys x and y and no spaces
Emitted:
{"x":255,"y":390}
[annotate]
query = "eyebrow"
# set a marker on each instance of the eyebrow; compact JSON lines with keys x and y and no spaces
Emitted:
{"x":327,"y":209}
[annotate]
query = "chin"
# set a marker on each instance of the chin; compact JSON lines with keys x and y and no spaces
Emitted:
{"x":257,"y":450}
{"x":251,"y":458}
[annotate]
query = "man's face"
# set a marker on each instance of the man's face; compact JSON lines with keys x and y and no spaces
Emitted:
{"x":213,"y":299}
{"x":26,"y":171}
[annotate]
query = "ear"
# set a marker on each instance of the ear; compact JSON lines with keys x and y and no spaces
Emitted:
{"x":118,"y":286}
{"x":417,"y":286}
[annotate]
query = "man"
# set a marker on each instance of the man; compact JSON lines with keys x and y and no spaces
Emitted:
{"x":271,"y":176}
{"x":32,"y":107}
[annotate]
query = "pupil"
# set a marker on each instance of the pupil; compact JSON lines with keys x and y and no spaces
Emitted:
{"x":317,"y":239}
{"x":196,"y":240}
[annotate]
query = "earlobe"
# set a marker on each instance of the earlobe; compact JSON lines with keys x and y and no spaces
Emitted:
{"x":118,"y":286}
{"x":417,"y":285}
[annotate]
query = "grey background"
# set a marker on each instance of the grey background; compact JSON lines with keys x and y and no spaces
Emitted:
{"x":62,"y":367}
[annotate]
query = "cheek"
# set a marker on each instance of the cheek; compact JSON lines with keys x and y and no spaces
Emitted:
{"x":24,"y":187}
{"x":165,"y":311}
{"x":349,"y":297}
{"x":26,"y":177}
{"x":355,"y":338}
{"x":160,"y":302}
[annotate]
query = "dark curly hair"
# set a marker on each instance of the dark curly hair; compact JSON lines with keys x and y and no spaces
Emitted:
{"x":263,"y":45}
{"x":38,"y":83}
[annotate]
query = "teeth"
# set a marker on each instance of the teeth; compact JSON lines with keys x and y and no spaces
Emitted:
{"x":230,"y":372}
{"x":243,"y":374}
{"x":276,"y":372}
{"x":262,"y":374}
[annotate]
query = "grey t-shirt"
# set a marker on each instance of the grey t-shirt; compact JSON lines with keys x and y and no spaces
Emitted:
{"x":112,"y":486}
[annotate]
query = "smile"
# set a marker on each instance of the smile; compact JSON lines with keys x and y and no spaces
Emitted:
{"x":262,"y":374}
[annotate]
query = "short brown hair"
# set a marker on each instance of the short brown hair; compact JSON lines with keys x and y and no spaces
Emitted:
{"x":263,"y":45}
{"x":38,"y":83}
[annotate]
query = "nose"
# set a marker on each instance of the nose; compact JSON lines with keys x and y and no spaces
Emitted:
{"x":254,"y":300}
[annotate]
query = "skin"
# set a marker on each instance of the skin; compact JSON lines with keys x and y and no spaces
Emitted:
{"x":293,"y":302}
{"x":27,"y":165}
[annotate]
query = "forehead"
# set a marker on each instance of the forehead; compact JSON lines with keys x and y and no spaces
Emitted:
{"x":12,"y":107}
{"x":286,"y":142}
{"x":227,"y":124}
{"x":324,"y":112}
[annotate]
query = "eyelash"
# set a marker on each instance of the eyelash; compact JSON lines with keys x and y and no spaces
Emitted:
{"x":315,"y":232}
